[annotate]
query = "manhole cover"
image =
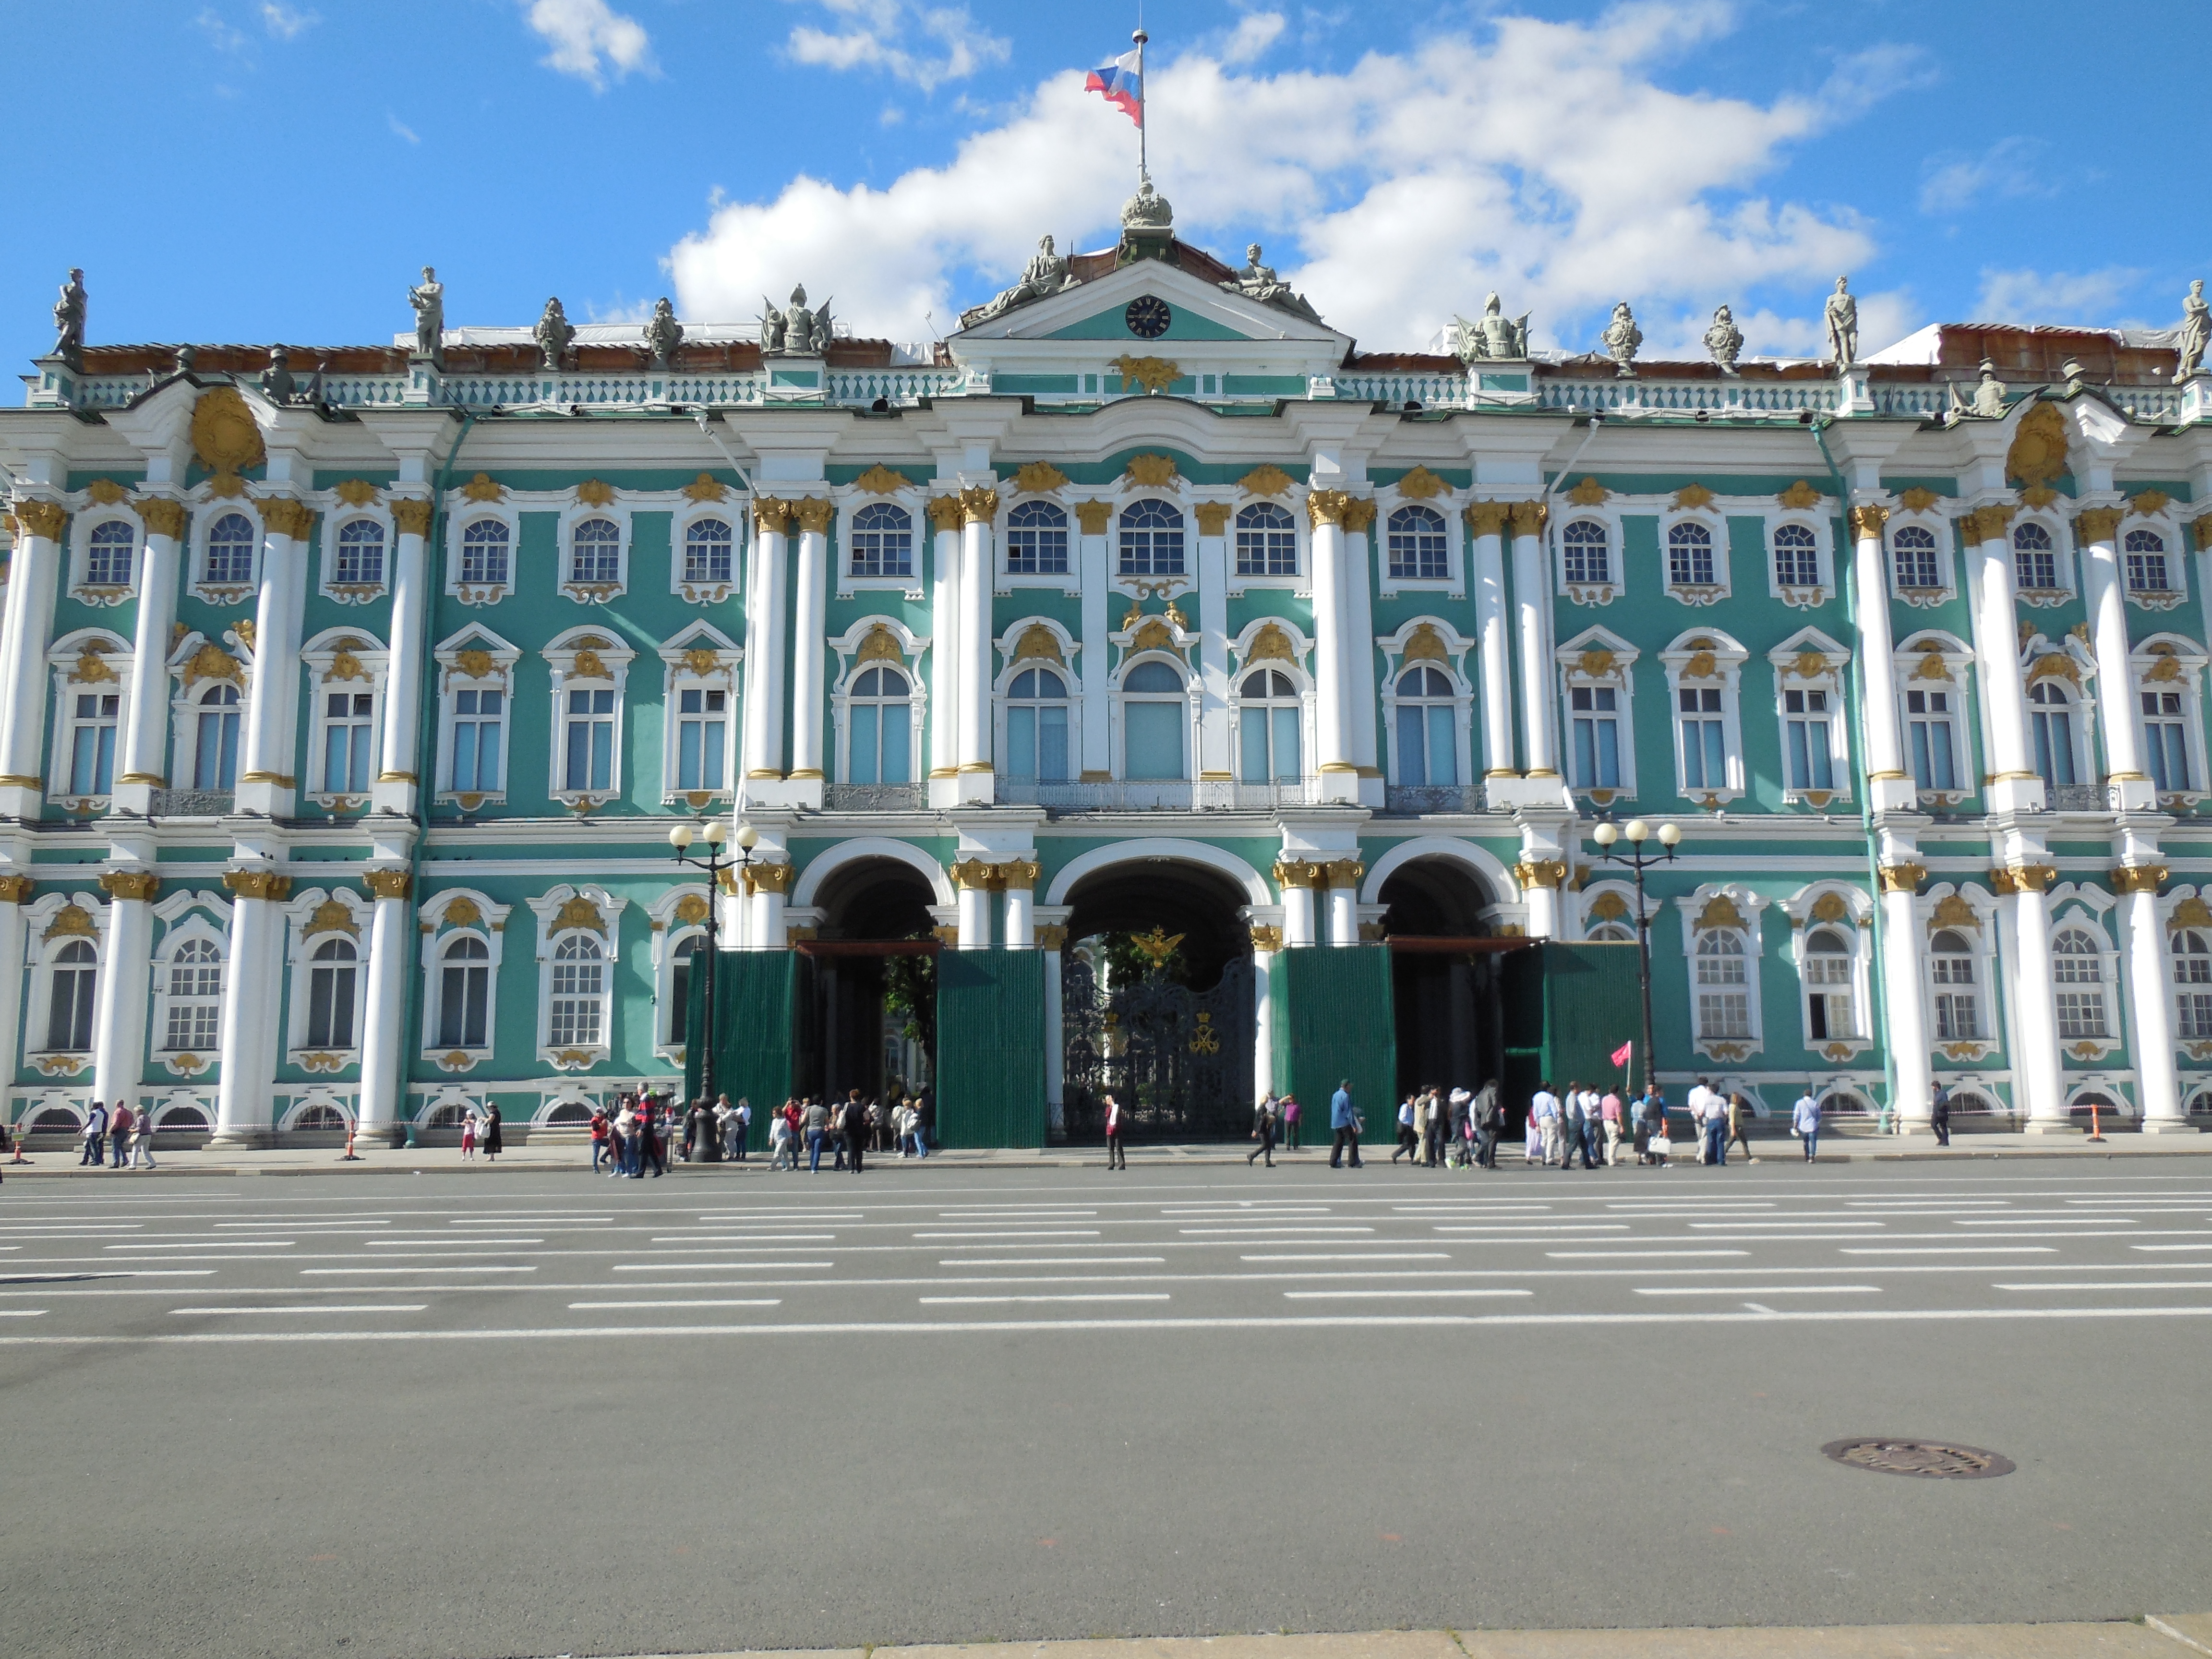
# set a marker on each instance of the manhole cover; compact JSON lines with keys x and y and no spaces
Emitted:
{"x":1930,"y":1459}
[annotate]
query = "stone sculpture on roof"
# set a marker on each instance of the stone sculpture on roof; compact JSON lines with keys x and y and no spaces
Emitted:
{"x":555,"y":334}
{"x":1842,"y":322}
{"x":1724,"y":339}
{"x":1988,"y":402}
{"x":1494,"y":335}
{"x":1622,"y":338}
{"x":1046,"y":274}
{"x":794,"y":331}
{"x":69,"y":318}
{"x":664,"y":334}
{"x":1258,"y":282}
{"x":2196,"y":329}
{"x":1147,"y":210}
{"x":428,"y":298}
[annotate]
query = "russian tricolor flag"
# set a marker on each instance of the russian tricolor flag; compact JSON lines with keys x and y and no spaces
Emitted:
{"x":1121,"y":84}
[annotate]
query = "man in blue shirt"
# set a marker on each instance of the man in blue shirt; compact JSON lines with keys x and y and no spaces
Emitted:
{"x":1343,"y":1119}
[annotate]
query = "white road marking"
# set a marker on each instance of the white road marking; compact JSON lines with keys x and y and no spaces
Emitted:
{"x":211,"y":1244}
{"x":305,"y":1272}
{"x":1961,"y":1249}
{"x":473,"y":1240}
{"x":2114,"y":1284}
{"x":114,"y":1273}
{"x":2170,"y":1247}
{"x":1364,"y":1295}
{"x":1829,"y":1226}
{"x":21,"y":1313}
{"x":744,"y":1238}
{"x":735,"y":1302}
{"x":1634,"y":1256}
{"x":2049,"y":1221}
{"x":1059,"y":1261}
{"x":1755,"y":1290}
{"x":1327,"y":1231}
{"x":1083,"y":1232}
{"x":1758,"y":1308}
{"x":1409,"y":1255}
{"x":1122,"y":1296}
{"x":708,"y":1266}
{"x":317,"y":1307}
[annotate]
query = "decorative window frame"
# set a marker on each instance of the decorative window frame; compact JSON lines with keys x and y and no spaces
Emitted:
{"x":678,"y":914}
{"x":1913,"y":663}
{"x":474,"y":659}
{"x":1005,"y":581}
{"x":1970,"y":911}
{"x":1599,"y":656}
{"x":1835,"y":907}
{"x":316,"y":1096}
{"x":1732,"y":906}
{"x":1024,"y":644}
{"x":311,"y":919}
{"x":2185,"y":908}
{"x":443,"y":917}
{"x":1430,"y":640}
{"x":912,"y":500}
{"x":1290,"y":495}
{"x":329,"y":528}
{"x":584,"y":657}
{"x":82,"y":587}
{"x":563,"y":911}
{"x":462,"y":510}
{"x":1175,"y":493}
{"x":1117,"y":721}
{"x":85,"y":657}
{"x":1695,"y":660}
{"x":1937,"y":525}
{"x":51,"y":922}
{"x":2166,"y":662}
{"x":2066,"y":658}
{"x":2080,"y":907}
{"x":1607,"y":515}
{"x":1611,"y":902}
{"x":1714,"y":522}
{"x":195,"y":660}
{"x":2153,"y":511}
{"x":206,"y":513}
{"x":186,"y":917}
{"x":2064,"y":555}
{"x":857,"y":649}
{"x":733,"y":509}
{"x":340,"y":658}
{"x":1796,"y":670}
{"x":704,"y":657}
{"x":1452,"y":585}
{"x":593,"y":500}
{"x":1815,"y":518}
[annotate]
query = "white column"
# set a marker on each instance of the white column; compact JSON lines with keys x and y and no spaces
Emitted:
{"x":14,"y":893}
{"x":1020,"y":877}
{"x":250,"y":996}
{"x":770,"y":884}
{"x":1888,"y":783}
{"x":118,"y":1051}
{"x":2145,"y":969}
{"x":1905,"y":1018}
{"x":1532,"y":599}
{"x":34,"y":572}
{"x":1325,"y":511}
{"x":808,"y":611}
{"x":1097,"y":763}
{"x":1485,"y":522}
{"x":944,"y":652}
{"x":1298,"y":879}
{"x":2014,"y":783}
{"x":764,"y":639}
{"x":398,"y":784}
{"x":265,"y":780}
{"x":1540,"y":875}
{"x":1343,"y":876}
{"x":1263,"y":1019}
{"x":974,"y":904}
{"x":2037,"y":1070}
{"x":391,"y":953}
{"x":145,"y":740}
{"x":1214,"y":760}
{"x":979,"y":508}
{"x":1049,"y":940}
{"x":2097,"y":530}
{"x":1361,"y":704}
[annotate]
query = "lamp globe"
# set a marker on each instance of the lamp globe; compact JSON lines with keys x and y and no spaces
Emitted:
{"x":1670,"y":834}
{"x":1638,"y":830}
{"x":716,"y":832}
{"x":1606,"y":833}
{"x":680,"y":837}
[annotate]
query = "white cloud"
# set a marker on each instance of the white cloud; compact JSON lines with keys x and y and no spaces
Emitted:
{"x":2088,"y":298}
{"x":2008,"y":170}
{"x":1543,"y":161}
{"x":283,"y":22}
{"x":953,"y":45}
{"x":220,"y":33}
{"x":1255,"y":32}
{"x":400,"y":129}
{"x":583,"y":33}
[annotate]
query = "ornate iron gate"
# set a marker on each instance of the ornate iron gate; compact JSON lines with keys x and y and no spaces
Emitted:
{"x":1179,"y":1060}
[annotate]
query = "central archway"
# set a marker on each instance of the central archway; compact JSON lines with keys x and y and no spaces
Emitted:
{"x":1449,"y":1023}
{"x":869,"y":1018}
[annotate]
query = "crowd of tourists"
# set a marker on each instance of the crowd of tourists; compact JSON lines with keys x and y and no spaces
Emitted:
{"x":633,"y":1136}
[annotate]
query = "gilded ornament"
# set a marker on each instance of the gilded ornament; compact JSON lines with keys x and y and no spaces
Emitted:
{"x":462,"y":912}
{"x":1151,"y":636}
{"x":92,"y":667}
{"x":1932,"y":667}
{"x":1326,"y":507}
{"x":1266,"y":479}
{"x":1423,"y":485}
{"x":1917,"y":500}
{"x":2136,"y":877}
{"x":1702,"y":665}
{"x":140,"y":885}
{"x":586,"y":665}
{"x":1720,"y":911}
{"x":344,"y":664}
{"x":282,"y":516}
{"x":2054,"y":665}
{"x":1093,"y":516}
{"x":1547,"y":873}
{"x":1801,"y":496}
{"x":1155,"y":375}
{"x":1347,"y":873}
{"x":702,"y":661}
{"x":356,"y":492}
{"x":769,"y":878}
{"x":1595,"y":663}
{"x":1039,"y":478}
{"x":1986,"y":524}
{"x":1529,"y":517}
{"x":944,"y":513}
{"x":1151,"y":471}
{"x":1270,"y":644}
{"x":1692,"y":496}
{"x":2038,"y":496}
{"x":482,"y":488}
{"x":978,"y":504}
{"x":770,"y":516}
{"x":1608,"y":907}
{"x":258,"y":885}
{"x":1425,"y":644}
{"x":1298,"y":872}
{"x":814,"y":515}
{"x":162,"y":516}
{"x":594,"y":492}
{"x":44,"y":520}
{"x":227,"y":486}
{"x":1213,"y":518}
{"x":389,"y":884}
{"x":224,"y":433}
{"x":1052,"y":937}
{"x":2038,"y":447}
{"x":411,"y":516}
{"x":1265,"y":936}
{"x":691,"y":908}
{"x":2192,"y":912}
{"x":1589,"y":493}
{"x":1830,"y":907}
{"x":1867,"y":522}
{"x":1809,"y":665}
{"x":1487,"y":518}
{"x":1038,"y":642}
{"x":15,"y":889}
{"x":331,"y":916}
{"x":2097,"y":524}
{"x":476,"y":665}
{"x":1358,"y":514}
{"x":2150,"y":503}
{"x":2201,"y":528}
{"x":881,"y":645}
{"x":705,"y":488}
{"x":1158,"y":946}
{"x":1018,"y":875}
{"x":212,"y":662}
{"x":880,"y":480}
{"x":578,"y":912}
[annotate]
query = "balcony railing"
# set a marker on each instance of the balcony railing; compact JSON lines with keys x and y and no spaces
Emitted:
{"x":1170,"y":795}
{"x":875,"y":797}
{"x":1411,"y":799}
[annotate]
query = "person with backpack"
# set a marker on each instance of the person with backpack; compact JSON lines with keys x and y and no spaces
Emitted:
{"x":1263,"y":1131}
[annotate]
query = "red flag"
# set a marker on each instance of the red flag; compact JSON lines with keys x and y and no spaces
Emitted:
{"x":1620,"y":1054}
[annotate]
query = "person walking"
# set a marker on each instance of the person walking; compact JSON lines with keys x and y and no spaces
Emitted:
{"x":600,"y":1129}
{"x":1408,"y":1140}
{"x":1263,"y":1131}
{"x":96,"y":1136}
{"x":818,"y":1130}
{"x":1116,"y":1121}
{"x":1740,"y":1116}
{"x":783,"y":1148}
{"x":142,"y":1140}
{"x":1489,"y":1118}
{"x":119,"y":1135}
{"x":1708,"y":1113}
{"x":1343,"y":1126}
{"x":726,"y":1128}
{"x":1460,"y":1103}
{"x":492,"y":1147}
{"x":1805,"y":1119}
{"x":1608,"y":1110}
{"x":1532,"y":1133}
{"x":1439,"y":1120}
{"x":1291,"y":1114}
{"x":856,"y":1132}
{"x":1544,"y":1116}
{"x":1939,"y":1115}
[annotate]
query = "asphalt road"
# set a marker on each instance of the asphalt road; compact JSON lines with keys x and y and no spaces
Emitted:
{"x":536,"y":1414}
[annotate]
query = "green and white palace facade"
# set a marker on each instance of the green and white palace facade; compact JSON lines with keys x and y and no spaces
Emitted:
{"x":350,"y":700}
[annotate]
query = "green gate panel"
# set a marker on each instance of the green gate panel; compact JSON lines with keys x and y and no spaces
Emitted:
{"x":990,"y":1048}
{"x":1592,"y":1005}
{"x":756,"y":1007}
{"x":1333,"y":1019}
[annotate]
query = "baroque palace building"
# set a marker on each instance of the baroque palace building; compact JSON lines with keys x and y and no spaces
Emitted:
{"x":351,"y":694}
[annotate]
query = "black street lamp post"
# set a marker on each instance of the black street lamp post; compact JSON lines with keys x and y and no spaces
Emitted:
{"x":1636,"y":832}
{"x":713,"y":833}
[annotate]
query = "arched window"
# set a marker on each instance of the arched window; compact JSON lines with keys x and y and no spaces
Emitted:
{"x":1585,"y":556}
{"x":68,"y":1011}
{"x":1913,"y":548}
{"x":2034,"y":561}
{"x":883,"y":541}
{"x":2053,"y":712}
{"x":331,"y":981}
{"x":195,"y":1006}
{"x":1418,"y":544}
{"x":92,"y":741}
{"x":1957,"y":1004}
{"x":1796,"y":556}
{"x":1690,"y":556}
{"x":679,"y":984}
{"x":230,"y":552}
{"x":2077,"y":967}
{"x":1267,"y":541}
{"x":1724,"y":986}
{"x":320,"y":1117}
{"x":578,"y":1010}
{"x":215,"y":744}
{"x":2192,"y":977}
{"x":2145,"y":550}
{"x":1267,"y":728}
{"x":1036,"y":726}
{"x":360,"y":562}
{"x":107,"y":560}
{"x":1428,"y":730}
{"x":1152,"y":540}
{"x":1154,"y":713}
{"x":1830,"y":1006}
{"x":1036,"y":540}
{"x":880,"y":732}
{"x":1612,"y":932}
{"x":465,"y":994}
{"x":2165,"y":739}
{"x":484,"y":554}
{"x":595,"y":552}
{"x":707,"y":551}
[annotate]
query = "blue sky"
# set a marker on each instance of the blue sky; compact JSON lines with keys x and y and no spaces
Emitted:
{"x":279,"y":169}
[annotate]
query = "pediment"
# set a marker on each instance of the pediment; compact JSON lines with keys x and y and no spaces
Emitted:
{"x":1097,"y":311}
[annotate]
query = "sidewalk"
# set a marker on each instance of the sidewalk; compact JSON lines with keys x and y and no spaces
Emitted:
{"x":2175,"y":1636}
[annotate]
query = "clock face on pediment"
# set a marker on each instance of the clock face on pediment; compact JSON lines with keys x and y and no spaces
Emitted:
{"x":1147,"y":317}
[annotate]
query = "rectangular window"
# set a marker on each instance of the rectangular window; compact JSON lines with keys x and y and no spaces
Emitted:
{"x":195,"y":1000}
{"x":2035,"y":566}
{"x":1829,"y":1006}
{"x":1958,"y":1017}
{"x":590,"y":741}
{"x":2080,"y":1014}
{"x":1152,"y":740}
{"x":92,"y":750}
{"x":1705,"y":740}
{"x":348,"y":725}
{"x":2196,"y":1017}
{"x":330,"y":1006}
{"x":1807,"y":725}
{"x":1268,"y":550}
{"x":2166,"y":741}
{"x":1428,"y":744}
{"x":478,"y":720}
{"x":463,"y":1006}
{"x":1723,"y":1014}
{"x":2147,"y":573}
{"x":702,"y":720}
{"x":1597,"y":737}
{"x":576,"y":1012}
{"x":1935,"y":759}
{"x":1034,"y":549}
{"x":68,"y":1010}
{"x":1036,"y":743}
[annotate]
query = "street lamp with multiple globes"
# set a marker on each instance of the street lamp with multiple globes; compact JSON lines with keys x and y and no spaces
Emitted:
{"x":714,"y":832}
{"x":1636,"y":832}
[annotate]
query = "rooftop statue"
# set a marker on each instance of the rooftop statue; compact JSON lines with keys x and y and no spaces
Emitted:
{"x":69,"y":318}
{"x":1492,"y":335}
{"x":428,"y":299}
{"x":555,"y":334}
{"x":1724,"y":339}
{"x":1843,"y":321}
{"x":664,"y":334}
{"x":1045,"y":275}
{"x":2195,"y":327}
{"x":1988,"y":402}
{"x":1147,"y":210}
{"x":276,"y":383}
{"x":1258,"y":282}
{"x":794,"y":331}
{"x":1622,"y":338}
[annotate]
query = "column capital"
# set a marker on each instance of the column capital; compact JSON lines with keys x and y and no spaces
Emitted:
{"x":141,"y":884}
{"x":1267,"y":937}
{"x":1903,"y":877}
{"x":1093,"y":516}
{"x":1053,"y":936}
{"x":1019,"y":874}
{"x":945,"y":512}
{"x":389,"y":884}
{"x":1343,"y":873}
{"x":2136,"y":877}
{"x":411,"y":516}
{"x":978,"y":504}
{"x":1867,"y":522}
{"x":771,"y":516}
{"x":258,"y":885}
{"x":1487,"y":518}
{"x":767,"y":878}
{"x":1326,"y":507}
{"x":282,"y":516}
{"x":44,"y":520}
{"x":814,"y":514}
{"x":1213,"y":517}
{"x":1529,"y":517}
{"x":2024,"y":877}
{"x":1540,"y":872}
{"x":1358,"y":514}
{"x":1298,"y":872}
{"x":977,"y":873}
{"x":2201,"y":527}
{"x":15,"y":889}
{"x":2097,"y":523}
{"x":162,"y":516}
{"x":1984,"y":524}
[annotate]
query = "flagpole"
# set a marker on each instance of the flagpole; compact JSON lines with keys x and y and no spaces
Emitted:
{"x":1140,"y":37}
